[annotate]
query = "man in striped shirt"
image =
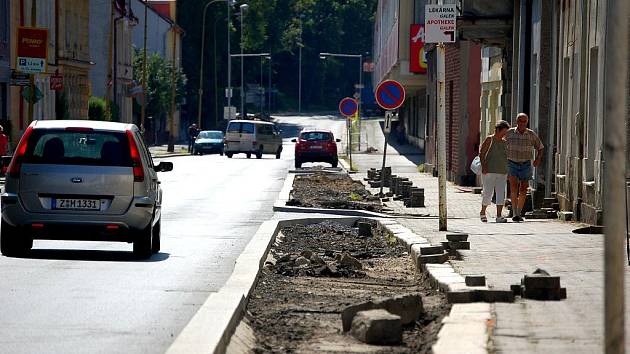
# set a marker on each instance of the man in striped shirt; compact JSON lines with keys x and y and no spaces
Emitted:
{"x":521,"y":143}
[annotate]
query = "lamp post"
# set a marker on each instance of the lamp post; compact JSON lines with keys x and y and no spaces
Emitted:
{"x":243,"y":7}
{"x":203,"y":43}
{"x":300,"y":69}
{"x":268,"y":57}
{"x":323,"y":56}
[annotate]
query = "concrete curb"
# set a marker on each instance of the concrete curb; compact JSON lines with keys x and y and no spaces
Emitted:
{"x":280,"y":205}
{"x":465,"y":330}
{"x":169,"y":155}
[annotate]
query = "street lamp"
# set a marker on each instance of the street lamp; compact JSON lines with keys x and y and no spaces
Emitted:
{"x":243,"y":7}
{"x":203,"y":43}
{"x":323,"y":56}
{"x":268,"y":57}
{"x":300,"y":69}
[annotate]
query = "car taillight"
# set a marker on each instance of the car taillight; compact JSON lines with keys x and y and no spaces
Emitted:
{"x":254,"y":143}
{"x":16,"y":162}
{"x":138,"y":171}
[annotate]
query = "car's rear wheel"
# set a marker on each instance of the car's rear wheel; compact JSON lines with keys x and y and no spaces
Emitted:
{"x":221,"y":152}
{"x":229,"y":155}
{"x":142,"y":244}
{"x":259,"y":153}
{"x":157,"y":234}
{"x":335,"y":163}
{"x":279,"y":152}
{"x":12,"y":244}
{"x":249,"y":156}
{"x":298,"y":163}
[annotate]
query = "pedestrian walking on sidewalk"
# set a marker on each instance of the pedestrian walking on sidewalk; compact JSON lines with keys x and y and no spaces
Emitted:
{"x":521,"y":141}
{"x":494,"y":169}
{"x":192,"y":135}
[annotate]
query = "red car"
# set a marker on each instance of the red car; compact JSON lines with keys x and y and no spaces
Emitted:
{"x":316,"y":146}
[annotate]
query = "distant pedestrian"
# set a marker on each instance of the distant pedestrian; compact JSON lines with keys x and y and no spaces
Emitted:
{"x":521,"y":141}
{"x":192,"y":135}
{"x":494,"y":169}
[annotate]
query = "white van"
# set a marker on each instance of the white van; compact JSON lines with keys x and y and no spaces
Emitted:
{"x":252,"y":137}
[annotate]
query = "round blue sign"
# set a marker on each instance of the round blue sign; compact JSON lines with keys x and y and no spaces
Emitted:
{"x":348,"y":107}
{"x":390,"y":94}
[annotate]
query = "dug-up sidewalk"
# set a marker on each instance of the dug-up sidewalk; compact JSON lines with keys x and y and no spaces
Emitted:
{"x":504,"y":253}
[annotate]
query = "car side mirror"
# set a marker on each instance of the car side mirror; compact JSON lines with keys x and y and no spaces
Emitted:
{"x":294,"y":140}
{"x":338,"y":140}
{"x":164,"y":166}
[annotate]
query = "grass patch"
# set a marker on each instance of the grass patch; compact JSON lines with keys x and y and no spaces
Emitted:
{"x":353,"y":167}
{"x":421,"y":168}
{"x":355,"y":197}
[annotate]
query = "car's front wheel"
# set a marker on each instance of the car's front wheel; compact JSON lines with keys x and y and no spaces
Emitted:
{"x":259,"y":153}
{"x":12,"y":244}
{"x":229,"y":155}
{"x":142,"y":244}
{"x":248,"y":155}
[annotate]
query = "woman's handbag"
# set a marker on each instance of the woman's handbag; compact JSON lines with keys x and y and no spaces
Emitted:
{"x":475,"y":165}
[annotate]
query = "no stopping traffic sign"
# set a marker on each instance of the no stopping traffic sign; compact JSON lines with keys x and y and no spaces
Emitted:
{"x":390,"y":95}
{"x":348,"y":107}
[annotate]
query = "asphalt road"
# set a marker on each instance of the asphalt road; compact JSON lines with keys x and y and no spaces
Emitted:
{"x":72,"y":297}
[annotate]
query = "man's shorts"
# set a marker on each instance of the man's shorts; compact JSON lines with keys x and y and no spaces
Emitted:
{"x":522,"y":170}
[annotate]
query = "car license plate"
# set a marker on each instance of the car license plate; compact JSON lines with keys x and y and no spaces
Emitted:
{"x":76,"y":204}
{"x":316,"y":147}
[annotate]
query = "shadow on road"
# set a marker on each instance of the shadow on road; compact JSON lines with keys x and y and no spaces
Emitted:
{"x":93,"y":255}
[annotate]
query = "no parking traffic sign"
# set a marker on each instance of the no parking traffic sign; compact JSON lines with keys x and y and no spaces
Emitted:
{"x":348,"y":107}
{"x":390,"y":95}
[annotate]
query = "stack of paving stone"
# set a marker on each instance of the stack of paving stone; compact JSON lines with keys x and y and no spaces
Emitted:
{"x":458,"y":241}
{"x":540,"y":286}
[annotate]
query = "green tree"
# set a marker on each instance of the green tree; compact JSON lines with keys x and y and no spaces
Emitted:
{"x":343,"y":26}
{"x":159,"y":84}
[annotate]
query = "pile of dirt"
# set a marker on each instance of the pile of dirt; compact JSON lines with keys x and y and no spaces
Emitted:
{"x":332,"y":191}
{"x":297,"y":308}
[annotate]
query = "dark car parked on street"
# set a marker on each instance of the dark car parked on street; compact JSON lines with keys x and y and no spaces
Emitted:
{"x":316,"y":146}
{"x":208,"y":142}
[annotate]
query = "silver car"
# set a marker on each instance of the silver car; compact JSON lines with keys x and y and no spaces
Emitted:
{"x":82,"y":180}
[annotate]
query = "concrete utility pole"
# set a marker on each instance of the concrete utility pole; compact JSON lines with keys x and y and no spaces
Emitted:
{"x":243,"y":7}
{"x":203,"y":44}
{"x":441,"y":127}
{"x":228,"y":91}
{"x":614,"y":187}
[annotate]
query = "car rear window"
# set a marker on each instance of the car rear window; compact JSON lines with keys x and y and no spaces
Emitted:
{"x":63,"y":147}
{"x":316,"y":136}
{"x":234,"y":127}
{"x":247,"y":128}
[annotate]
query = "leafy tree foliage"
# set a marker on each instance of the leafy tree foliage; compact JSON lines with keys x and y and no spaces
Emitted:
{"x":341,"y":26}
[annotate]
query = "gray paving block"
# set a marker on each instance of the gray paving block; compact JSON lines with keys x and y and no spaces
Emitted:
{"x":475,"y":280}
{"x":492,"y":295}
{"x":434,"y":258}
{"x":540,"y":281}
{"x":429,"y":250}
{"x":459,"y":245}
{"x":408,"y":307}
{"x":461,"y":297}
{"x":377,"y":327}
{"x":457,"y":237}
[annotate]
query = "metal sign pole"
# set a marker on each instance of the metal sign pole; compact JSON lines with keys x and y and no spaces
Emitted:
{"x":388,"y":125}
{"x":615,"y":103}
{"x":441,"y":125}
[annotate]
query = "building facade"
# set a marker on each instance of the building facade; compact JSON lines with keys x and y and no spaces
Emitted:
{"x":393,"y":59}
{"x":73,"y":57}
{"x":109,"y":45}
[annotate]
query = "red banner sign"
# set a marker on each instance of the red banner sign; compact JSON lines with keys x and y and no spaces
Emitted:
{"x":56,"y":82}
{"x":417,"y":58}
{"x":32,"y":42}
